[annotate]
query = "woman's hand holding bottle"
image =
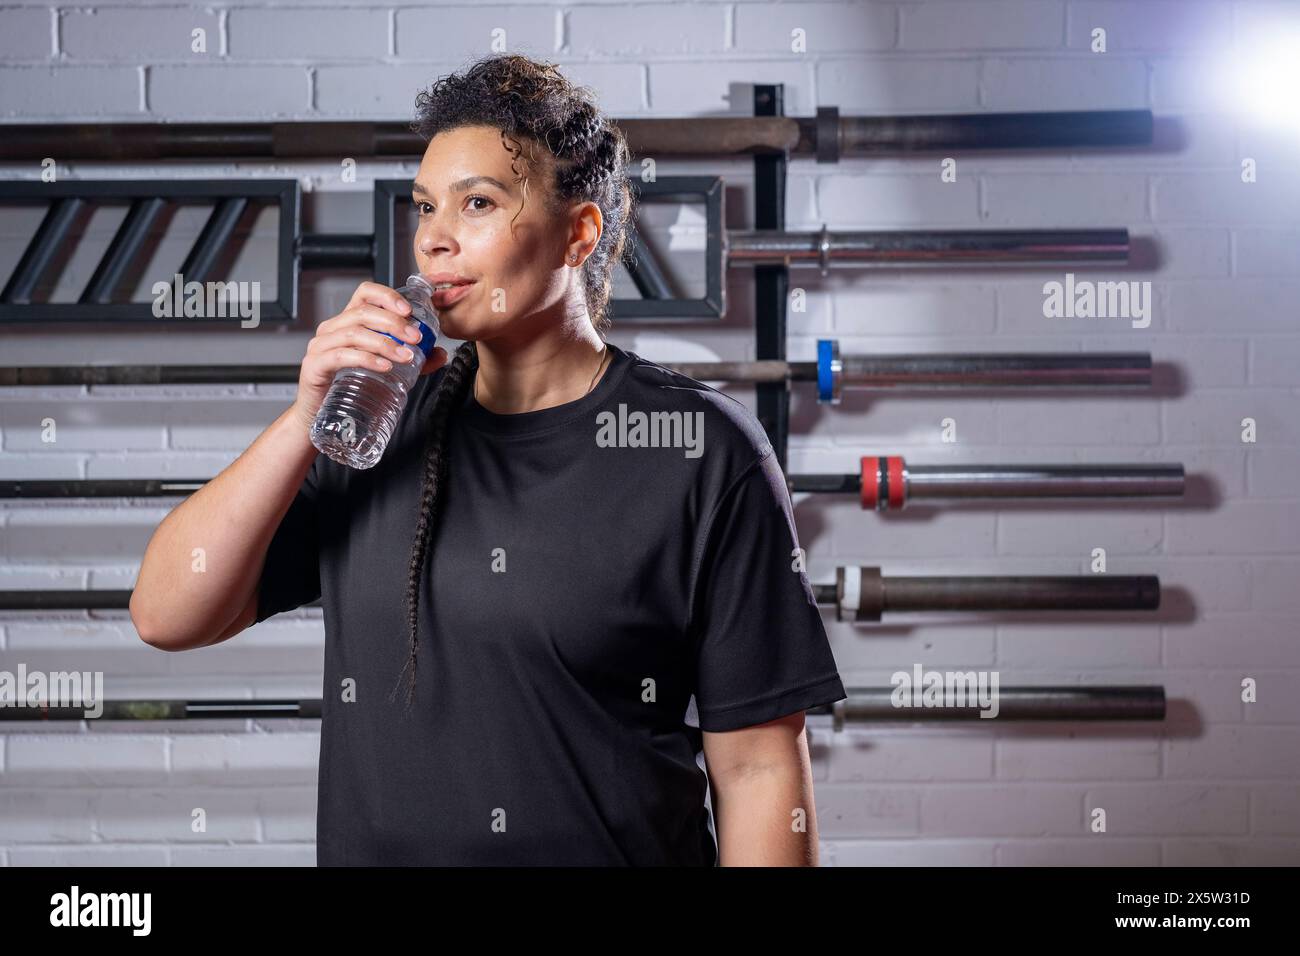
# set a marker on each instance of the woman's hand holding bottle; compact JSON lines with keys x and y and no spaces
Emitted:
{"x":352,"y":339}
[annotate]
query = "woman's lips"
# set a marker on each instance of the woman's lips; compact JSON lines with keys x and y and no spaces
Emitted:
{"x":445,"y":297}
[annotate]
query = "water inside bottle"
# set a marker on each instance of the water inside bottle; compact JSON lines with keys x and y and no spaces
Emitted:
{"x":361,"y":410}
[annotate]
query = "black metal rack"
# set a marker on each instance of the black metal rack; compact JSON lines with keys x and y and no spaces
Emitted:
{"x":771,"y":138}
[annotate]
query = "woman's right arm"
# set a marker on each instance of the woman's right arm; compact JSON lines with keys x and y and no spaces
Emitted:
{"x":233,"y":518}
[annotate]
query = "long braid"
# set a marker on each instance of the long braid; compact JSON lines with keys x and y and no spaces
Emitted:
{"x":451,"y":393}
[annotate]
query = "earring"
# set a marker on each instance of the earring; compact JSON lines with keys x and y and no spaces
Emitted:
{"x":573,"y":257}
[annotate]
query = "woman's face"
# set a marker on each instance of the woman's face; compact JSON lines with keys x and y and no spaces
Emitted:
{"x":466,"y":196}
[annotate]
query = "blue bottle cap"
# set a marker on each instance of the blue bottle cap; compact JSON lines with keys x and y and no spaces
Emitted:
{"x":427,"y":338}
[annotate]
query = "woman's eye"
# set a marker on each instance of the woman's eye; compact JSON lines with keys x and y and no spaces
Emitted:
{"x":416,"y":204}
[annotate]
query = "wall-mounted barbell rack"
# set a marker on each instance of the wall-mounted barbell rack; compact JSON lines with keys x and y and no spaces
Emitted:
{"x":67,"y":203}
{"x":888,"y":481}
{"x":769,"y":135}
{"x":864,"y":592}
{"x":770,"y":250}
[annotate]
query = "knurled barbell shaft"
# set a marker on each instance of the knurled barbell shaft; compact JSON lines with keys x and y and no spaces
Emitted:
{"x":880,"y":594}
{"x":922,"y":371}
{"x":1107,"y":702}
{"x":856,"y":248}
{"x":864,"y":594}
{"x":888,"y":482}
{"x":646,"y":136}
{"x":1104,"y":702}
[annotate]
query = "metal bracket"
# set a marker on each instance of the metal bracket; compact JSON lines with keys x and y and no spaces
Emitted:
{"x":66,"y":201}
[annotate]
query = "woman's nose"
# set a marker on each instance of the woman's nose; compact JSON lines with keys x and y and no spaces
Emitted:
{"x":432,"y":239}
{"x":434,"y":234}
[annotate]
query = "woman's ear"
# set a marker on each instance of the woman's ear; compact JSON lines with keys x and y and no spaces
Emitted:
{"x":584,"y":234}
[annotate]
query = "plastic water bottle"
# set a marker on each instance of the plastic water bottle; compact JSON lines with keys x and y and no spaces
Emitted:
{"x":361,"y":409}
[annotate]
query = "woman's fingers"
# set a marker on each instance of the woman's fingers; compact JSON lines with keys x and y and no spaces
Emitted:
{"x":436,"y":360}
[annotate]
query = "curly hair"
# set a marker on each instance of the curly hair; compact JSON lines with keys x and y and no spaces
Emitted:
{"x":533,"y":107}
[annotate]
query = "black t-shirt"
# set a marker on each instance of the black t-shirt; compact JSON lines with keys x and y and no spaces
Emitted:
{"x":596,"y":595}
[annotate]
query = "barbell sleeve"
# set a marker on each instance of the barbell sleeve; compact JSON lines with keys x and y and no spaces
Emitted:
{"x":889,"y":483}
{"x":864,"y":594}
{"x":950,"y":247}
{"x":1105,"y":702}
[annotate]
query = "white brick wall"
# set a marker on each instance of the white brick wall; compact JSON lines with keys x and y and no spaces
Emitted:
{"x":1216,"y":784}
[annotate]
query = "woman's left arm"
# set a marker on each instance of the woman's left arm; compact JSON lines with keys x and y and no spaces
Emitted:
{"x":760,"y":779}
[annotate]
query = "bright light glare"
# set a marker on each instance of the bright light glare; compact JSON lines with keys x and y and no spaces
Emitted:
{"x":1263,"y":82}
